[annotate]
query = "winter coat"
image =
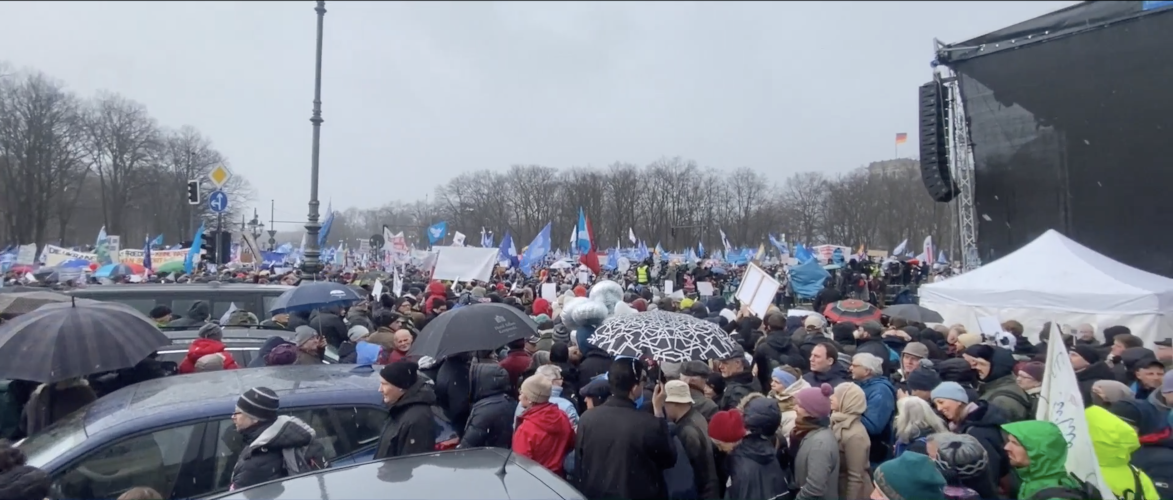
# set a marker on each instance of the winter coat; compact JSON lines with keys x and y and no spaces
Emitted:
{"x":491,"y":421}
{"x":50,"y":404}
{"x":754,"y":471}
{"x":877,"y":418}
{"x":1155,"y":456}
{"x":1114,"y":442}
{"x":196,"y":316}
{"x":702,"y":404}
{"x":1047,"y":450}
{"x":854,"y":445}
{"x":1159,"y":402}
{"x":816,"y":466}
{"x":329,"y":325}
{"x":545,"y":339}
{"x":556,"y":399}
{"x":23,"y":482}
{"x":594,"y":362}
{"x":787,"y":404}
{"x":1089,"y":376}
{"x":258,"y":361}
{"x":516,"y":363}
{"x":836,"y":375}
{"x":410,"y":427}
{"x":203,"y":347}
{"x":356,"y":316}
{"x":452,"y":390}
{"x":622,"y":452}
{"x":1000,"y":389}
{"x":693,"y":431}
{"x":984,"y":422}
{"x":778,"y":349}
{"x":544,"y":435}
{"x":680,"y":478}
{"x":263,"y":459}
{"x":737,"y":387}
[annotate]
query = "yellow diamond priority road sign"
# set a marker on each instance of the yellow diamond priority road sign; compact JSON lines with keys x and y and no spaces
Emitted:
{"x":220,"y":175}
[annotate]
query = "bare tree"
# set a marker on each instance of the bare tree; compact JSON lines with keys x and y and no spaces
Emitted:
{"x":123,"y":145}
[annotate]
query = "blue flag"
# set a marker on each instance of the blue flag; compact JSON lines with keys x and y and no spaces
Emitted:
{"x":536,"y":251}
{"x":806,"y":279}
{"x":147,"y":252}
{"x":196,"y":242}
{"x":584,"y":235}
{"x":158,"y":241}
{"x":325,"y":230}
{"x":506,"y":252}
{"x":801,"y":254}
{"x":700,"y":250}
{"x":437,"y":232}
{"x":612,"y":259}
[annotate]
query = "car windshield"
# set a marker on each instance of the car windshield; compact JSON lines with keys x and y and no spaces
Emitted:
{"x":58,"y":438}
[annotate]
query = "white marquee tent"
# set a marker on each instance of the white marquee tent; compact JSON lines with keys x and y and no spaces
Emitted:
{"x":1053,"y":278}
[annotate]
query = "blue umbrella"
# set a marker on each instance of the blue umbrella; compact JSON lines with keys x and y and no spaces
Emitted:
{"x":113,"y":270}
{"x":717,"y":270}
{"x":74,"y":263}
{"x":314,"y":295}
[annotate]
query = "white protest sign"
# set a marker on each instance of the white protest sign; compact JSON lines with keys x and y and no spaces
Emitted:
{"x":757,"y":290}
{"x":397,"y":285}
{"x":27,"y":254}
{"x":377,"y":288}
{"x":469,"y":263}
{"x":704,"y":288}
{"x":668,"y":285}
{"x":550,"y":291}
{"x":1061,"y":404}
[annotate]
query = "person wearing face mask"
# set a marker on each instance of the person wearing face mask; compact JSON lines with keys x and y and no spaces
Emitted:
{"x":995,"y":367}
{"x":979,"y":419}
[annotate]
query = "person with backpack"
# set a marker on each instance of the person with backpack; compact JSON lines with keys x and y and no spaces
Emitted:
{"x":1037,"y":452}
{"x":1114,"y":442}
{"x":278,"y":446}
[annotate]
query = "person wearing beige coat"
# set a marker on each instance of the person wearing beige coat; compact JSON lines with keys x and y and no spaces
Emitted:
{"x":847,"y":406}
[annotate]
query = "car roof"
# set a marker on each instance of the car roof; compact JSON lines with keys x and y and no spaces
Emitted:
{"x":229,"y":333}
{"x":214,"y":394}
{"x":177,"y":287}
{"x":464,"y":474}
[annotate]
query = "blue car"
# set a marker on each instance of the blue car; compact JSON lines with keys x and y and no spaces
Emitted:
{"x":175,"y":434}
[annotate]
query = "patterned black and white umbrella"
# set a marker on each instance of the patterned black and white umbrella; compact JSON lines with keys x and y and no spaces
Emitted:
{"x":66,"y":340}
{"x":668,"y":337}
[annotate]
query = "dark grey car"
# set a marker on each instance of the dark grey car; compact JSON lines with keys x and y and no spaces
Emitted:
{"x":470,"y":474}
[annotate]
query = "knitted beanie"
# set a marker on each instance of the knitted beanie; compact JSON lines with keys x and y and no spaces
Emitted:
{"x":401,"y":374}
{"x":260,"y":403}
{"x":911,"y":476}
{"x":816,"y":401}
{"x":727,"y":426}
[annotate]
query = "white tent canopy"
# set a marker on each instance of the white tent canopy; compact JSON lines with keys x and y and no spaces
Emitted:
{"x":1053,"y":278}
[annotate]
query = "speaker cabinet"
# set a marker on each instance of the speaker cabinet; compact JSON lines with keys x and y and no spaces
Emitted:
{"x":934,"y":149}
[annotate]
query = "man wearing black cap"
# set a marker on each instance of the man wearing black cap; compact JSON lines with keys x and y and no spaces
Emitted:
{"x":270,"y":439}
{"x":1089,"y":367}
{"x":410,"y":427}
{"x":739,"y":380}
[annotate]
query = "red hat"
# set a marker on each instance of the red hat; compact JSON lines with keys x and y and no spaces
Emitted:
{"x":580,"y":291}
{"x":727,"y":426}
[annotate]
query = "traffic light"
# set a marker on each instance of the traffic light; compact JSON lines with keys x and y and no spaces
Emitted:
{"x":208,"y":247}
{"x":225,"y":250}
{"x":193,"y":192}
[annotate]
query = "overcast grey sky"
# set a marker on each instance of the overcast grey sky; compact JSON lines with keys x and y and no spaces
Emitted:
{"x":414,"y":93}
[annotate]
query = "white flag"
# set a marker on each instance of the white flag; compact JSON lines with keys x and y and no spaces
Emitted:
{"x":899,"y":250}
{"x":458,"y":239}
{"x":631,"y":235}
{"x":928,"y":249}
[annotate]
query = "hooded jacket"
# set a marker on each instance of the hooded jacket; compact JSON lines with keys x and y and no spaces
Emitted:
{"x":1088,"y":377}
{"x":203,"y":347}
{"x":491,"y":421}
{"x":329,"y":324}
{"x":1155,"y":456}
{"x":737,"y":387}
{"x":452,"y":390}
{"x":196,"y":315}
{"x":1000,"y":389}
{"x":544,"y":435}
{"x":1047,"y":450}
{"x":753,"y":467}
{"x":263,"y":459}
{"x":776,"y":350}
{"x":410,"y":427}
{"x":984,"y":422}
{"x":1158,"y":401}
{"x":1114,"y":441}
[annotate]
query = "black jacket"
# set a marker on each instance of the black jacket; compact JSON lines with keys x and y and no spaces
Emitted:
{"x":826,"y":297}
{"x":262,"y":460}
{"x":836,"y":375}
{"x":1089,"y":376}
{"x":778,"y":350}
{"x":984,"y":423}
{"x":347,"y":353}
{"x":329,"y":325}
{"x":737,"y":387}
{"x":754,"y":471}
{"x":1155,"y":455}
{"x":410,"y":427}
{"x":491,"y":421}
{"x":452,"y":390}
{"x":693,"y":431}
{"x":594,"y":362}
{"x":621,"y":452}
{"x":296,"y":319}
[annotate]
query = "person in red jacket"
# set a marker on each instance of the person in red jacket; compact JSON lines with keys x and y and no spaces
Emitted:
{"x":543,"y":431}
{"x":516,"y":362}
{"x":210,"y":342}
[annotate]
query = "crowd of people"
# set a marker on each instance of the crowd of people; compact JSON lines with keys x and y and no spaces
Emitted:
{"x":801,"y":408}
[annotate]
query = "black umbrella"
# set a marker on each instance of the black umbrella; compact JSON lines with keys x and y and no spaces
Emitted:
{"x":67,"y":340}
{"x":315,"y":295}
{"x":23,"y":303}
{"x":479,"y":327}
{"x":913,"y":312}
{"x":668,"y":337}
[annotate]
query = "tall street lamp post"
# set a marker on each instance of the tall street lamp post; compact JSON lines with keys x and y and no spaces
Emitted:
{"x":311,"y":264}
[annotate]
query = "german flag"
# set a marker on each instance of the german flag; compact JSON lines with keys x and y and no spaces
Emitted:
{"x":901,"y":138}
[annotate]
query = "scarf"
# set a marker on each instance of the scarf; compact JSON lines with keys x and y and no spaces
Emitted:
{"x":852,"y":403}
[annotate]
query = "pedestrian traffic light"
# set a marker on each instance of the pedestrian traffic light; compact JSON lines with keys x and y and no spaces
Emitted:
{"x":225,"y":250}
{"x":208,"y":246}
{"x":193,"y":192}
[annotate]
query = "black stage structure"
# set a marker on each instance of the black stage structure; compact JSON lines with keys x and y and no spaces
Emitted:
{"x":1070,"y":118}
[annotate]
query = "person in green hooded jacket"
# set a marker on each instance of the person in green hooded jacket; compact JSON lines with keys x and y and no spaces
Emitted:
{"x":1038,"y":453}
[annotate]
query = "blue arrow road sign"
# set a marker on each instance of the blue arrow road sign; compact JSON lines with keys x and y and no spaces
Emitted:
{"x":218,"y":201}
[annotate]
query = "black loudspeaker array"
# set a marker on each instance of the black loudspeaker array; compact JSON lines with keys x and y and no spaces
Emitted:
{"x":934,"y":149}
